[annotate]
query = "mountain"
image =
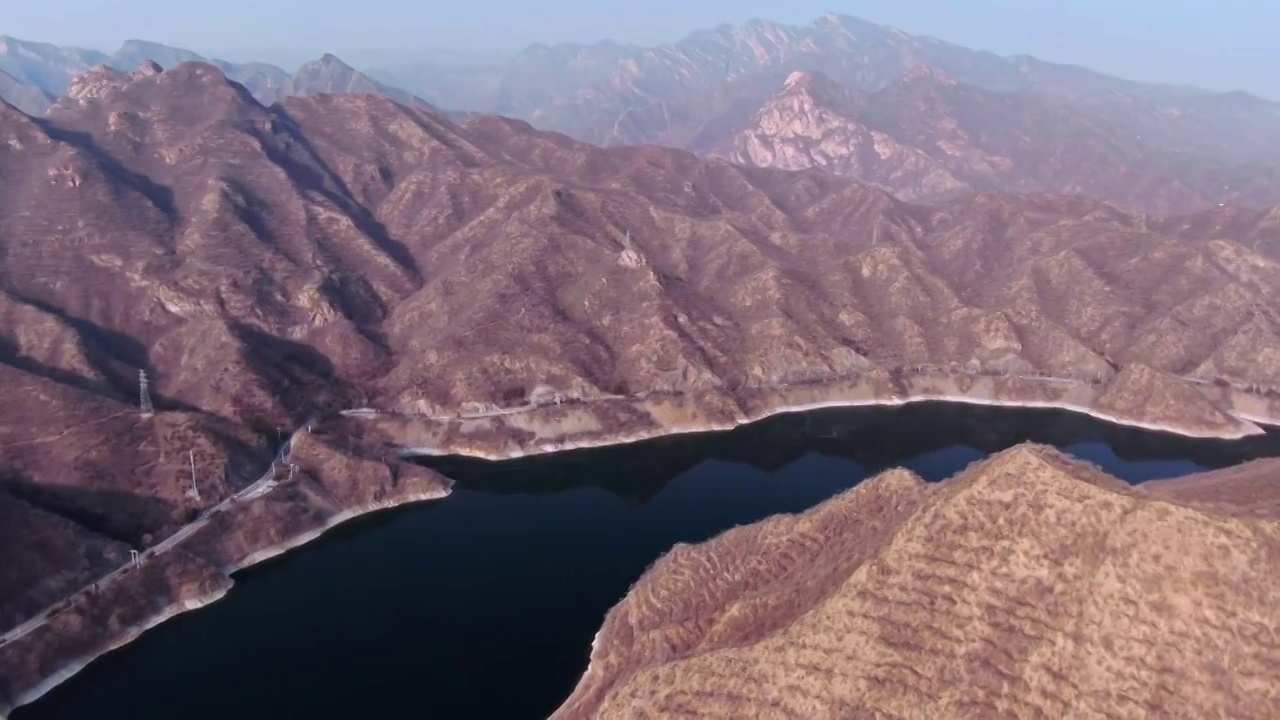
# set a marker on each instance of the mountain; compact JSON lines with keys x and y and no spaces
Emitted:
{"x":927,"y":137}
{"x":331,"y":75}
{"x":1028,"y":585}
{"x":33,"y":74}
{"x":27,"y":98}
{"x":47,"y":67}
{"x":51,"y":68}
{"x":133,"y":53}
{"x":615,"y":95}
{"x":487,"y":288}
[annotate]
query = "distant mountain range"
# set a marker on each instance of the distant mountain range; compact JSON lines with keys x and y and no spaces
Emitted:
{"x":610,"y":94}
{"x":928,"y":138}
{"x":33,"y":75}
{"x":970,"y":121}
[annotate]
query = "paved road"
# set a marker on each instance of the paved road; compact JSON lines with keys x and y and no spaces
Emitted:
{"x":366,"y":413}
{"x":259,"y":487}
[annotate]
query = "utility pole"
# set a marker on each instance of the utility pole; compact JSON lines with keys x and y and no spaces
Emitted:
{"x":144,"y":397}
{"x":194,"y":490}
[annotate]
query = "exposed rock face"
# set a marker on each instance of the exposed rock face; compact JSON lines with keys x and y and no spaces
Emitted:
{"x":926,"y":137}
{"x":1030,"y":585}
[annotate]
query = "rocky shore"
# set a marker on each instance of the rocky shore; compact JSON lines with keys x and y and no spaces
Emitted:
{"x":335,"y":482}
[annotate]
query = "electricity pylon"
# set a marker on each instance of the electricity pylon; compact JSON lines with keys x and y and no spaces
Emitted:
{"x":195,"y":490}
{"x":144,"y":397}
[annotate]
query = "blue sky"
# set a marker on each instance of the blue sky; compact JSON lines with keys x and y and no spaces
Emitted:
{"x":1226,"y":44}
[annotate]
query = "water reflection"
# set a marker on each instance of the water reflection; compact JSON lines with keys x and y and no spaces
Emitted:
{"x":874,"y":439}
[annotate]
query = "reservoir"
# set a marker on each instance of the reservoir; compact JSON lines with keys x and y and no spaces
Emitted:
{"x":484,"y":604}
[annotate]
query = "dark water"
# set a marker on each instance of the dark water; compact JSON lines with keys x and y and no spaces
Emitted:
{"x":483,"y":605}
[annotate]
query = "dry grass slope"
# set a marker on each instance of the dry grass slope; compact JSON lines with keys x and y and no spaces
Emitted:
{"x":1028,"y":586}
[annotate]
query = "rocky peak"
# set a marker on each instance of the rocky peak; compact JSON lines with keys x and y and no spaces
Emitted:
{"x":184,"y":94}
{"x":197,"y":71}
{"x":798,"y":79}
{"x":328,"y":68}
{"x":95,"y":83}
{"x":133,"y":53}
{"x":148,"y":68}
{"x":818,"y":89}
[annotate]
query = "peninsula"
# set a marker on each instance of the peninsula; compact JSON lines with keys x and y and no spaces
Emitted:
{"x":1030,"y":584}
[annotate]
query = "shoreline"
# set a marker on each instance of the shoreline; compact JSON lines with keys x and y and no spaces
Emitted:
{"x":1250,"y":425}
{"x":128,"y":635}
{"x":271,"y":552}
{"x":1247,"y":426}
{"x":178,"y":607}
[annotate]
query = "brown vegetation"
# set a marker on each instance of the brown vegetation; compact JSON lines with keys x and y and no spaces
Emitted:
{"x":1030,"y":585}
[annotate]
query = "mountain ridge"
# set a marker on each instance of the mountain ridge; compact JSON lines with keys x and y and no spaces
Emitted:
{"x":929,"y":138}
{"x":981,"y":595}
{"x":42,"y":69}
{"x":667,"y":94}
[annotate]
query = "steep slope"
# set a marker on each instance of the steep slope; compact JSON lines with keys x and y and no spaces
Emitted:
{"x":27,"y":98}
{"x":926,"y":137}
{"x":1030,"y":585}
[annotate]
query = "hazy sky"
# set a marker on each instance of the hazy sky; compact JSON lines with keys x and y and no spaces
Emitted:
{"x":1224,"y":44}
